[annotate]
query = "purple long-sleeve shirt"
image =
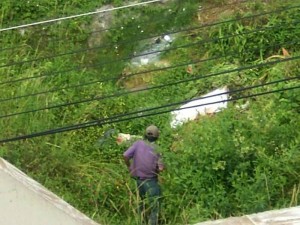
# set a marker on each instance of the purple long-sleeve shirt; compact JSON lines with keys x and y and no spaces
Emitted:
{"x":145,"y":161}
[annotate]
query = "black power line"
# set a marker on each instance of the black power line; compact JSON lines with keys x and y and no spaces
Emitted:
{"x":39,"y":32}
{"x":118,"y":43}
{"x":116,"y":76}
{"x":159,"y":20}
{"x":156,"y":87}
{"x":139,"y":114}
{"x":148,"y":53}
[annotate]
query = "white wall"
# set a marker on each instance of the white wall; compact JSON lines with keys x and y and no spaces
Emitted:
{"x":23,"y":201}
{"x":287,"y":216}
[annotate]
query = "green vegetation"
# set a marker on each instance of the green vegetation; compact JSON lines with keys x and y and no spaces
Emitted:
{"x":233,"y":163}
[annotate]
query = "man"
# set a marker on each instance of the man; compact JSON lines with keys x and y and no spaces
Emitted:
{"x":144,"y":164}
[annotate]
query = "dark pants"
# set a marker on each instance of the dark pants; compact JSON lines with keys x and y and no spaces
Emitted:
{"x":150,"y":193}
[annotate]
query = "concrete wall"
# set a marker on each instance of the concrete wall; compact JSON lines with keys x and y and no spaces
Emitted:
{"x":287,"y":216}
{"x":23,"y":201}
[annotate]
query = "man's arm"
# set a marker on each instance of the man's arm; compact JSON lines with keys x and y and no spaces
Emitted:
{"x":128,"y":154}
{"x":160,"y":165}
{"x":127,"y":161}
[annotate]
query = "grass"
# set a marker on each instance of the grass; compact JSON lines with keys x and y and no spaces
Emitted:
{"x":93,"y":177}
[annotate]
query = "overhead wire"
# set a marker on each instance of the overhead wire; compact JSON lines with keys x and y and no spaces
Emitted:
{"x":12,"y":47}
{"x":117,"y":76}
{"x":170,"y":33}
{"x":112,"y":119}
{"x":144,"y":54}
{"x":77,"y":16}
{"x":140,"y":114}
{"x":154,"y":87}
{"x":57,"y":40}
{"x":157,"y":20}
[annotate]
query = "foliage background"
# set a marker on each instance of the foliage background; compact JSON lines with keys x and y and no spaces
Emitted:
{"x":233,"y":163}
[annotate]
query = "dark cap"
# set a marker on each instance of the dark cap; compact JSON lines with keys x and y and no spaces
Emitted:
{"x":152,"y":131}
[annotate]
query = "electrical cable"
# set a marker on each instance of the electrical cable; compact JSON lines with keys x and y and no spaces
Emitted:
{"x":57,"y":40}
{"x":174,"y":32}
{"x":111,"y":120}
{"x":115,"y":119}
{"x":111,"y":79}
{"x":143,"y":54}
{"x":109,"y":45}
{"x":12,"y":47}
{"x":154,"y":87}
{"x":116,"y":76}
{"x":159,"y":20}
{"x":77,"y":16}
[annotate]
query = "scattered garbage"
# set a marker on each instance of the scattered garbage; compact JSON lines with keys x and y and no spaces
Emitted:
{"x":285,"y":54}
{"x":127,"y":138}
{"x":112,"y":135}
{"x":243,"y":107}
{"x":167,"y":38}
{"x":153,"y":50}
{"x":189,"y":69}
{"x":201,"y":106}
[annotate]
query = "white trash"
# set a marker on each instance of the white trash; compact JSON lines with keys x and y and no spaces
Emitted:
{"x":167,"y":38}
{"x":192,"y":109}
{"x":127,"y":138}
{"x":144,"y":61}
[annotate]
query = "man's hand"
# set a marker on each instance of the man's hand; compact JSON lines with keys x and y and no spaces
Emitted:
{"x":160,"y":168}
{"x":127,"y":162}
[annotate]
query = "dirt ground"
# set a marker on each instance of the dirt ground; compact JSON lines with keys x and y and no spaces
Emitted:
{"x":210,"y":11}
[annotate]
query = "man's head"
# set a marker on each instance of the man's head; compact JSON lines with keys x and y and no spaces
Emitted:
{"x":152,"y":133}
